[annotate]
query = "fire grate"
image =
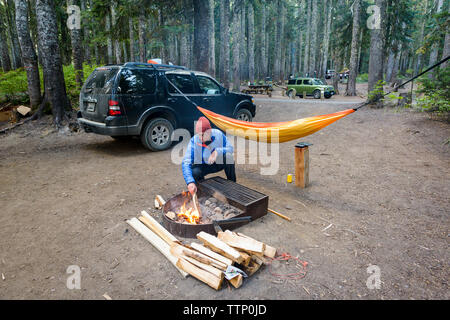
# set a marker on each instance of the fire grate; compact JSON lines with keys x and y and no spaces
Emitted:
{"x":250,"y":203}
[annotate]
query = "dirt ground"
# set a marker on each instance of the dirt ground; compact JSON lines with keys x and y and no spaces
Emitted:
{"x":379,"y":195}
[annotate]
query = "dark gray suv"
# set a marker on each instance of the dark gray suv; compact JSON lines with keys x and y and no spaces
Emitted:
{"x":138,"y":99}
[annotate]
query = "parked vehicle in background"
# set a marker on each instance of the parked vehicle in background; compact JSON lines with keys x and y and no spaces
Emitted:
{"x":344,"y":74}
{"x":330,"y":74}
{"x":310,"y":86}
{"x":136,"y":99}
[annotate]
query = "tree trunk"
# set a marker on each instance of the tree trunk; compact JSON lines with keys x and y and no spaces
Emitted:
{"x":351,"y":83}
{"x":29,"y":56}
{"x":418,"y":65}
{"x":221,"y":41}
{"x":77,"y":49}
{"x":263,"y":42}
{"x":201,"y":35}
{"x":395,"y":68}
{"x":15,"y":46}
{"x":376,"y":50}
{"x":243,"y":62}
{"x":86,"y":36}
{"x":117,"y":48}
{"x":51,"y":58}
{"x":212,"y":54}
{"x":446,"y":51}
{"x":435,"y":47}
{"x":314,"y":30}
{"x":131,"y":35}
{"x":226,"y":44}
{"x":4,"y":51}
{"x":251,"y":44}
{"x":141,"y":28}
{"x":236,"y":44}
{"x":282,"y":44}
{"x":308,"y":32}
{"x":327,"y":39}
{"x":108,"y":40}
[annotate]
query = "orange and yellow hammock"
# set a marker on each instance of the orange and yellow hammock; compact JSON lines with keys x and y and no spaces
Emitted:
{"x":273,"y":132}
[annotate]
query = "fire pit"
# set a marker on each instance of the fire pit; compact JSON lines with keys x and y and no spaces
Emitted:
{"x":219,"y":199}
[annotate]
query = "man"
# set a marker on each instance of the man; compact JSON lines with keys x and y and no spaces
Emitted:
{"x":208,"y":152}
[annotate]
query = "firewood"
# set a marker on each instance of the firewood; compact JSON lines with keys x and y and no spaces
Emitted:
{"x":179,"y":251}
{"x":212,"y":254}
{"x":156,"y":241}
{"x":150,"y":222}
{"x":268,"y":250}
{"x":237,"y":281}
{"x":218,"y":273}
{"x":253,"y":266}
{"x":159,"y":202}
{"x":245,"y":258}
{"x":200,"y":274}
{"x":242,"y":243}
{"x":220,"y":247}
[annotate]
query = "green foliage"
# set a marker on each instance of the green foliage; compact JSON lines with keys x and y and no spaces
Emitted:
{"x":362,"y":78}
{"x":14,"y":86}
{"x":377,"y":91}
{"x":436,"y":92}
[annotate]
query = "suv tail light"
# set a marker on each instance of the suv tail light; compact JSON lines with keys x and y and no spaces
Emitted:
{"x":114,"y":108}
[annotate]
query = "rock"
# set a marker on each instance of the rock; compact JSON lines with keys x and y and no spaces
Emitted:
{"x":207,"y":203}
{"x":218,"y":210}
{"x":213,"y":200}
{"x":171,"y":215}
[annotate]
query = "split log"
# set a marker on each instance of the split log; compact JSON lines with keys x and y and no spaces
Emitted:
{"x":202,"y":275}
{"x":253,"y":266}
{"x":150,"y":222}
{"x":159,"y":202}
{"x":245,"y":258}
{"x":218,"y":273}
{"x":237,"y":281}
{"x":247,"y":244}
{"x":219,"y":246}
{"x":268,"y":250}
{"x":156,"y":241}
{"x":212,"y":254}
{"x":179,"y":251}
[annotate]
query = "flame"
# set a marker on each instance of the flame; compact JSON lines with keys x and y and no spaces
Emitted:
{"x":191,"y":215}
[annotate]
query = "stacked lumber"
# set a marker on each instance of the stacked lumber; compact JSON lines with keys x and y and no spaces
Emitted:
{"x":230,"y":255}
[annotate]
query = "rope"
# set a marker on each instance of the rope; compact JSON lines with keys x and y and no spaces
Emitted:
{"x":401,"y":85}
{"x":301,"y":265}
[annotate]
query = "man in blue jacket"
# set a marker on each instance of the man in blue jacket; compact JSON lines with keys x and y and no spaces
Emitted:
{"x":208,"y":152}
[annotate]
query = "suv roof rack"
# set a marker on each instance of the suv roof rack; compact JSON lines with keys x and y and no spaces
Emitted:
{"x":156,"y":66}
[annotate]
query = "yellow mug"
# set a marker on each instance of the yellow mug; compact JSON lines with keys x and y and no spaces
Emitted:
{"x":289,"y":178}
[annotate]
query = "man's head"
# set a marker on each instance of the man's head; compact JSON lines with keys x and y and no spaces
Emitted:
{"x":203,"y":129}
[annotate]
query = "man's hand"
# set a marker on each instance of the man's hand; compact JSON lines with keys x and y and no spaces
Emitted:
{"x":192,"y":188}
{"x":212,"y":157}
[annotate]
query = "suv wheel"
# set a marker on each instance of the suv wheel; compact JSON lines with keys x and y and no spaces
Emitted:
{"x":244,"y":115}
{"x":317,"y":94}
{"x":157,"y":134}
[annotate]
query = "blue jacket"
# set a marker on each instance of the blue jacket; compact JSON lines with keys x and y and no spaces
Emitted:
{"x":198,"y":153}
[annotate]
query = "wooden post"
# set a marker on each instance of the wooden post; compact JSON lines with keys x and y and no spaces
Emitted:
{"x":302,"y":164}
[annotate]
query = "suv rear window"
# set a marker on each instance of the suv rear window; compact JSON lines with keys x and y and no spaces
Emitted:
{"x":102,"y":79}
{"x":291,"y":82}
{"x":182,"y":81}
{"x":137,"y":81}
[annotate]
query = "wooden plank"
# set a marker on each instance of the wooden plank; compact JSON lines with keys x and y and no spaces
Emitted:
{"x":202,"y":275}
{"x":268,"y":250}
{"x":212,"y":254}
{"x":218,"y":273}
{"x":253,"y":266}
{"x":156,"y":241}
{"x":219,"y":246}
{"x":237,"y":281}
{"x":150,"y":222}
{"x":279,"y":214}
{"x":242,"y":243}
{"x":179,"y":251}
{"x":301,"y":167}
{"x":245,"y":258}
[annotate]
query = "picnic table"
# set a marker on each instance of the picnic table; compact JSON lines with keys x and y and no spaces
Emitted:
{"x":259,"y":88}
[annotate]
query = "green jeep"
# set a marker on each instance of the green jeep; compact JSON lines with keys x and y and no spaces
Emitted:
{"x":311,"y":86}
